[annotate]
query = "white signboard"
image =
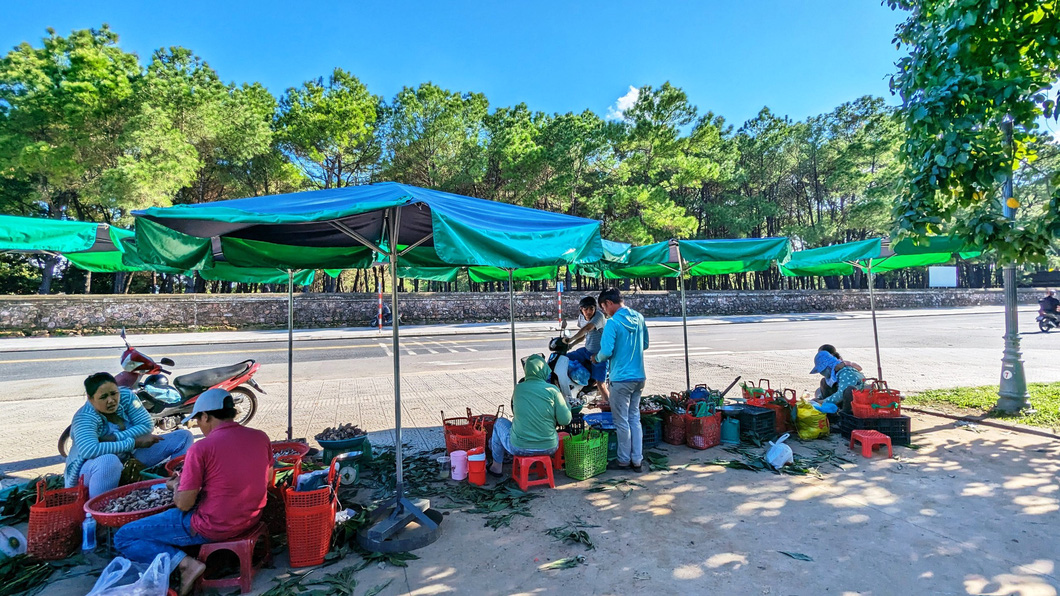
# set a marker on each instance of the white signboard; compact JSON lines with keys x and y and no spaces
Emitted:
{"x":942,"y":277}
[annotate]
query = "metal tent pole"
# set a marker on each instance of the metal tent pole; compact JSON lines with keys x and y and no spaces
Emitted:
{"x":875,"y":332}
{"x":684,"y":315}
{"x":290,"y":354}
{"x":511,"y":312}
{"x":399,"y":486}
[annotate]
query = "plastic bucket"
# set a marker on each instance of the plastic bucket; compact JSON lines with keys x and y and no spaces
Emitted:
{"x":730,"y":431}
{"x":458,"y":459}
{"x":476,"y":473}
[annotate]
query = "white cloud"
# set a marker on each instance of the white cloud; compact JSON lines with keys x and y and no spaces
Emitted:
{"x":617,"y":111}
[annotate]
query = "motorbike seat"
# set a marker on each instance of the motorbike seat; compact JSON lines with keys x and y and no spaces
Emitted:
{"x":199,"y":381}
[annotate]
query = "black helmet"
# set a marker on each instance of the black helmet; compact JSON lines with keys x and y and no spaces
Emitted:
{"x":157,"y":380}
{"x":556,"y":345}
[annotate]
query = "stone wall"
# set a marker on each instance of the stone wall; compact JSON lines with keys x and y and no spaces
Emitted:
{"x":39,"y":315}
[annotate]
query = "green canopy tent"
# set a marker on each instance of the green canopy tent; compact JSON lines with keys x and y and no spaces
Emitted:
{"x":102,"y":248}
{"x":676,"y":258}
{"x":876,"y":255}
{"x":344,"y":228}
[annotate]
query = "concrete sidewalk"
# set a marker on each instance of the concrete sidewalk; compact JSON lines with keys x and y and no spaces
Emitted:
{"x":29,"y":344}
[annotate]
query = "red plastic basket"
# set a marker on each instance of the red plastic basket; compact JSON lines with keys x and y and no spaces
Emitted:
{"x":298,"y":447}
{"x":55,"y":521}
{"x":876,"y":400}
{"x":173,"y":464}
{"x":760,"y":391}
{"x":891,"y":410}
{"x":461,"y":434}
{"x":97,"y":504}
{"x":485,"y":422}
{"x":310,"y":521}
{"x":674,"y":428}
{"x":703,"y":432}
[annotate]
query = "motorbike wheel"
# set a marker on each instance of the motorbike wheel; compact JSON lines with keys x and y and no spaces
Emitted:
{"x":65,"y":442}
{"x":246,"y":404}
{"x":1045,"y":326}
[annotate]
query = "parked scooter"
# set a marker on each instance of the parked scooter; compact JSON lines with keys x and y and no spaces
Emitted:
{"x":168,"y":403}
{"x":1048,"y":321}
{"x":574,"y":389}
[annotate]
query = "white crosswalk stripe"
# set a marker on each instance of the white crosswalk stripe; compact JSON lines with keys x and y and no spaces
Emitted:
{"x":386,"y":349}
{"x":429,"y":350}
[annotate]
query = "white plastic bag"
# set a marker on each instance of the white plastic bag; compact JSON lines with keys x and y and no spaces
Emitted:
{"x":153,"y":582}
{"x":779,"y":454}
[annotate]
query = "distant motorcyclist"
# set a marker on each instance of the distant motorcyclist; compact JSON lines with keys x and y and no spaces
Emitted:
{"x":1049,"y":305}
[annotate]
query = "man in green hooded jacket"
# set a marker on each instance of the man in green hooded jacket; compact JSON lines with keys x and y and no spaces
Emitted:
{"x":537,"y":407}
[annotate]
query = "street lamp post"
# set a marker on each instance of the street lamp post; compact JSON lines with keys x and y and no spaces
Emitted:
{"x":1012,"y":395}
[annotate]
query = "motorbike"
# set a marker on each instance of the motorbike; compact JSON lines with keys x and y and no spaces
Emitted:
{"x":576,"y":389}
{"x":168,"y":404}
{"x":1048,"y":321}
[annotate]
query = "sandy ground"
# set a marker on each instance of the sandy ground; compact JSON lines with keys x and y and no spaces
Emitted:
{"x":966,"y":513}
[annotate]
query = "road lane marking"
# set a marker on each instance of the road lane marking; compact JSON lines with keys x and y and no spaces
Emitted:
{"x":386,"y":349}
{"x":244,"y":351}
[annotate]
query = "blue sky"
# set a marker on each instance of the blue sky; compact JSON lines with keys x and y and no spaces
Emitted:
{"x":799,"y":57}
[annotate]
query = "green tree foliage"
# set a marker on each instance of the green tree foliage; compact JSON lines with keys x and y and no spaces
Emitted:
{"x":973,"y":64}
{"x":88,"y":132}
{"x":217,"y":127}
{"x":434,"y":139}
{"x":328,"y":129}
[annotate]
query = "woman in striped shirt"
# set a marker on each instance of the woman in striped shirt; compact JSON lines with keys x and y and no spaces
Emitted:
{"x":111,"y":428}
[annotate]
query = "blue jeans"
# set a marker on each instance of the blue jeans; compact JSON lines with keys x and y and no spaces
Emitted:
{"x":143,"y":539}
{"x":625,"y":413}
{"x":597,"y":370}
{"x":501,"y":444}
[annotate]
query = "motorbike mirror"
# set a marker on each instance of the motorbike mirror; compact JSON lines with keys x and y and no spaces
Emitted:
{"x":123,"y":337}
{"x":167,"y":362}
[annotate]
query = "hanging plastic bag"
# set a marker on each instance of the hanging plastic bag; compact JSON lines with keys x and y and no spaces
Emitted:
{"x":779,"y":454}
{"x":153,"y":582}
{"x":810,"y":423}
{"x":577,"y":372}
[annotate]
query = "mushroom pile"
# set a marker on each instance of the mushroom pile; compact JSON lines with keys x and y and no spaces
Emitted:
{"x":343,"y":432}
{"x":139,"y":500}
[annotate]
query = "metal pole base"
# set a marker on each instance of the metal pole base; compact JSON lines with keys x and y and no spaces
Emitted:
{"x":389,"y":532}
{"x":1013,"y":397}
{"x":1012,"y":394}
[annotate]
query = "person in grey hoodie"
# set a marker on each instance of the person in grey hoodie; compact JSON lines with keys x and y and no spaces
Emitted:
{"x":622,"y":346}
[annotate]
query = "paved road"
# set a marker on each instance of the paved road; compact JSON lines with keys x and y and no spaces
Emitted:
{"x":350,"y":379}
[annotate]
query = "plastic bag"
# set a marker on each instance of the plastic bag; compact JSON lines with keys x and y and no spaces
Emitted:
{"x":810,"y":423}
{"x":827,"y":407}
{"x":779,"y":454}
{"x":153,"y":582}
{"x":577,"y":372}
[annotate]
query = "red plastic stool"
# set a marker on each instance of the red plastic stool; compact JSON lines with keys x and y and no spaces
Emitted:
{"x":557,"y":457}
{"x":870,"y":439}
{"x":521,"y":466}
{"x":243,"y":547}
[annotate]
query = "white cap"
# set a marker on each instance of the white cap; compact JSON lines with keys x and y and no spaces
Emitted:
{"x":208,"y":401}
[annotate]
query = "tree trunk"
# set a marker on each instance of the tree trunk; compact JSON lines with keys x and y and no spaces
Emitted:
{"x":46,"y":276}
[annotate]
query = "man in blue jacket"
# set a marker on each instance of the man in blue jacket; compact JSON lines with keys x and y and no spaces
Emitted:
{"x":622,"y":346}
